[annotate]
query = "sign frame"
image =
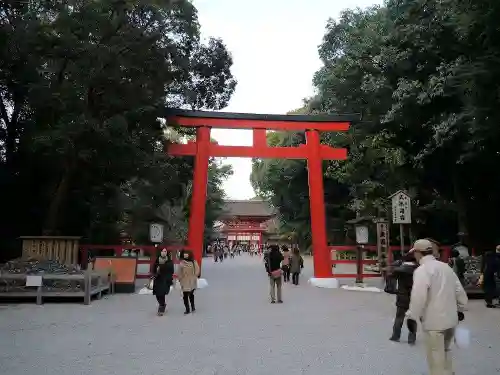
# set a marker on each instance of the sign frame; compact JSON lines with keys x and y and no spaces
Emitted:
{"x":156,"y":232}
{"x":401,"y":207}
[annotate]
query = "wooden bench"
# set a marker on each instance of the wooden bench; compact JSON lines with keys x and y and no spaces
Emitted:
{"x":93,"y":284}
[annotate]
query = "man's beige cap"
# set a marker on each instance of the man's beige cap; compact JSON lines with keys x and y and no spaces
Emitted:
{"x":422,"y":245}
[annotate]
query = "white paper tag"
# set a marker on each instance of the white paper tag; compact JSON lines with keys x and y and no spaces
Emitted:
{"x":34,"y":281}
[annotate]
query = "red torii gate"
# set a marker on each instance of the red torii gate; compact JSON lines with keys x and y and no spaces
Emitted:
{"x":313,"y":151}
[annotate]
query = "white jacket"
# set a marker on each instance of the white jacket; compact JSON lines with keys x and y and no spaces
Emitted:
{"x":437,"y":295}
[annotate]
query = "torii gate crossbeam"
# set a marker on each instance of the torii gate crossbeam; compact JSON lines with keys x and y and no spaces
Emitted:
{"x":313,"y":151}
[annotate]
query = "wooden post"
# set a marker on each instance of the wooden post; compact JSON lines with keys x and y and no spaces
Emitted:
{"x":86,"y":287}
{"x":402,"y":238}
{"x":196,"y":228}
{"x":39,"y":291}
{"x":322,"y":263}
{"x":359,"y":265}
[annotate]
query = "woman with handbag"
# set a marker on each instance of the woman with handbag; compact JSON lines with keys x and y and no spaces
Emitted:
{"x":274,"y":271}
{"x":188,"y":274}
{"x":163,"y":279}
{"x":296,"y":265}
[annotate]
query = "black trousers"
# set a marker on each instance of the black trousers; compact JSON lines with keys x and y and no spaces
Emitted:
{"x":188,"y":298}
{"x":490,"y":292}
{"x":162,"y":303}
{"x":286,"y":273}
{"x":295,"y":278}
{"x":398,"y":325}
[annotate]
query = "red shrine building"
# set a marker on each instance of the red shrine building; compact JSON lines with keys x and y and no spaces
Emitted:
{"x":246,"y":222}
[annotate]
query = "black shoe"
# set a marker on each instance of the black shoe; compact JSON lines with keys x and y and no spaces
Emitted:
{"x":395,"y":339}
{"x":490,"y":306}
{"x":412,"y":338}
{"x":280,"y":301}
{"x":187,"y":312}
{"x":193,"y":310}
{"x":273,"y":301}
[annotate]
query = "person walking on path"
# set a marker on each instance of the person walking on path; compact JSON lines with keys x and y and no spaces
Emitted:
{"x":438,"y":299}
{"x":273,"y":268}
{"x":458,"y":265}
{"x":189,"y":270}
{"x":296,"y":265}
{"x":403,"y":273}
{"x":163,"y":279}
{"x":285,"y":264}
{"x":490,"y":271}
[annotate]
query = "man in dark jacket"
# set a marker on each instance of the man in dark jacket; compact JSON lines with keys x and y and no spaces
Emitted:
{"x":458,"y":265}
{"x":403,"y":272}
{"x":490,"y":271}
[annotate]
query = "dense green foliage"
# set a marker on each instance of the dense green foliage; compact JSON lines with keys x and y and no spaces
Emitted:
{"x":81,"y":86}
{"x":423,"y":75}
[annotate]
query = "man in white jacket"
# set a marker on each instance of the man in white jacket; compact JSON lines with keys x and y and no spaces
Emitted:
{"x":438,"y":301}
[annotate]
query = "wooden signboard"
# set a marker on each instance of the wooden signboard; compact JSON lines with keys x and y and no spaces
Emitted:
{"x":124,"y":270}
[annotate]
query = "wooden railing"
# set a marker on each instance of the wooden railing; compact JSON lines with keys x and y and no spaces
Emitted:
{"x":146,"y":255}
{"x":347,"y":254}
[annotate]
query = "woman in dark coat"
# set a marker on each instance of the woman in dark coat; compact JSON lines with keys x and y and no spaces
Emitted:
{"x":490,"y":271}
{"x":403,"y":272}
{"x":296,"y":265}
{"x":163,"y":279}
{"x":273,"y":268}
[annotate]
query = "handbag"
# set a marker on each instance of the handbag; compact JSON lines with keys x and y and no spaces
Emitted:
{"x":150,"y":284}
{"x":462,"y":337}
{"x":276,"y":274}
{"x":391,"y":285}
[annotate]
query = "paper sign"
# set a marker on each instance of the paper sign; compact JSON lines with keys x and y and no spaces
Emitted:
{"x":156,"y":233}
{"x":401,"y":208}
{"x":34,"y":281}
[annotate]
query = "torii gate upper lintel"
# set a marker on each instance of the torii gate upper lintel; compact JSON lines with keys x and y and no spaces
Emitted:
{"x":313,"y":151}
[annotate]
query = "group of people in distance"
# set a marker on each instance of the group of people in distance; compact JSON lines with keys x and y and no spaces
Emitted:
{"x":188,"y":272}
{"x":279,"y":266}
{"x":221,"y":251}
{"x":431,"y":291}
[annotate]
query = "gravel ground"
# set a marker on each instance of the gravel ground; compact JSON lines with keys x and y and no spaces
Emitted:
{"x":235,"y":331}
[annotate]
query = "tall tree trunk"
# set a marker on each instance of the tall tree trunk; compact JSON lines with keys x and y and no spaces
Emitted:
{"x":52,"y":219}
{"x":461,"y":206}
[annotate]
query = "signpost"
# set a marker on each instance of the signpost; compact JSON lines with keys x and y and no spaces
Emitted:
{"x":156,"y":233}
{"x":401,"y":212}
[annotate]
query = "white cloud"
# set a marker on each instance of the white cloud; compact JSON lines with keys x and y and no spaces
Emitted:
{"x":274,"y":48}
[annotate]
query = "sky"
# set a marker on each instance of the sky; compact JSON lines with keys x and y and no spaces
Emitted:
{"x":274,"y":46}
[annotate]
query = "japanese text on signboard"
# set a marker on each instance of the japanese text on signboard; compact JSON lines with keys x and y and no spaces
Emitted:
{"x":401,"y":208}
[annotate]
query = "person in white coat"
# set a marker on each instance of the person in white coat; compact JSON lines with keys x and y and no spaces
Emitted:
{"x":438,"y":301}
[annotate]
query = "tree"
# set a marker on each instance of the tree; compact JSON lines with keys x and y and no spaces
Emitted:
{"x":421,"y":74}
{"x":81,"y":86}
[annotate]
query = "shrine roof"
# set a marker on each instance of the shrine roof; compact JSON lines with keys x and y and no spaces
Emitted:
{"x":263,"y":117}
{"x":247,"y":208}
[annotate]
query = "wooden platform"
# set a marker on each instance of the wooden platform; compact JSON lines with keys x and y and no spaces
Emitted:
{"x":89,"y":284}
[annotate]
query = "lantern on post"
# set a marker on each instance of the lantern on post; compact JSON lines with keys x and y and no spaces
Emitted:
{"x":361,"y":227}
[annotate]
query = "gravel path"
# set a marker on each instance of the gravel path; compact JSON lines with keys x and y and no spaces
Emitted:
{"x":235,"y":331}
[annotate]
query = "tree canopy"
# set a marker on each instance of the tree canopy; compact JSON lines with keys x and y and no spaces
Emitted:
{"x":82,"y":84}
{"x":423,"y":76}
